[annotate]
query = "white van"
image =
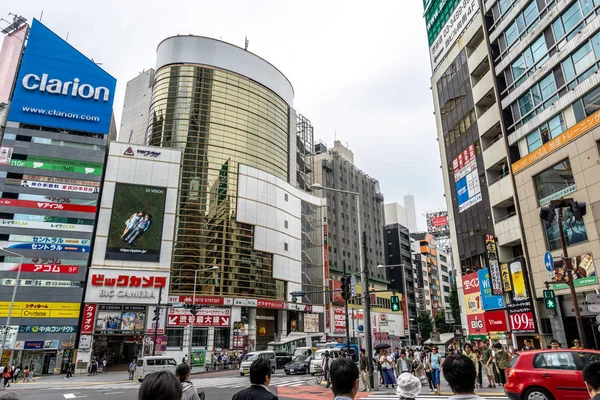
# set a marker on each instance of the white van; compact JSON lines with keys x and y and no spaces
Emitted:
{"x":317,"y":360}
{"x":150,"y":364}
{"x":255,"y":355}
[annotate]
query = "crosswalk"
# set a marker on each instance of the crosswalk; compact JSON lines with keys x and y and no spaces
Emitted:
{"x":424,"y":397}
{"x":240,"y":381}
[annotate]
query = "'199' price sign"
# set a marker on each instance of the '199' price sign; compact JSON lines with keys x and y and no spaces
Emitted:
{"x":522,"y":322}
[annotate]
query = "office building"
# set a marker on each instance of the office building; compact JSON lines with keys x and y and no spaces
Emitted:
{"x":242,"y":204}
{"x":444,"y":262}
{"x":52,"y":160}
{"x":134,"y":119}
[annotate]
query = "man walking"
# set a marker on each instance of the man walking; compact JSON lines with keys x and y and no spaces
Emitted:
{"x":527,"y":345}
{"x":459,"y":371}
{"x":486,"y":360}
{"x":344,"y":379}
{"x":132,"y":368}
{"x":260,"y":379}
{"x":104,"y":366}
{"x":364,"y":370}
{"x":403,"y":364}
{"x":325,"y":364}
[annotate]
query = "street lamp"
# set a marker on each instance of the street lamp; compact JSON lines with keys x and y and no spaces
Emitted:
{"x":418,"y":329}
{"x":213,"y":268}
{"x":14,"y":295}
{"x":403,"y":294}
{"x":364,"y":276}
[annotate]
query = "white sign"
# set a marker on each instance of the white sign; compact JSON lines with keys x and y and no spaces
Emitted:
{"x":11,"y":336}
{"x":41,"y":283}
{"x":85,"y":342}
{"x":57,"y":226}
{"x":122,"y":286}
{"x":151,"y":325}
{"x":458,"y":21}
{"x":245,"y":302}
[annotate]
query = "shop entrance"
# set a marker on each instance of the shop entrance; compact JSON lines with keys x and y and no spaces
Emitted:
{"x":266,"y":322}
{"x":49,"y":362}
{"x":118,"y":351}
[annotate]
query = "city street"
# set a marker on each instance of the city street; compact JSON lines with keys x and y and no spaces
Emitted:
{"x":216,"y":385}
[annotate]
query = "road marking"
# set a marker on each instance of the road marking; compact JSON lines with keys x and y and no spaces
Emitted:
{"x":72,"y":396}
{"x":112,"y":393}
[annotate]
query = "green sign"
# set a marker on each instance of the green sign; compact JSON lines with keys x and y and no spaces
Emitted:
{"x":63,"y":161}
{"x":437,"y":13}
{"x":57,"y":167}
{"x":590,"y":280}
{"x":198,"y":358}
{"x":477,"y":337}
{"x":395,"y":303}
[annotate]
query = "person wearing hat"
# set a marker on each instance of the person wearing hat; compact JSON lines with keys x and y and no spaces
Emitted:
{"x":409,"y":386}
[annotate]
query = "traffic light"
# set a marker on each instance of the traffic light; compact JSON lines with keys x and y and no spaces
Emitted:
{"x":194,"y":309}
{"x":395,"y":303}
{"x":547,"y":213}
{"x":578,"y":208}
{"x":345,"y":287}
{"x":549,"y":299}
{"x":156,"y":314}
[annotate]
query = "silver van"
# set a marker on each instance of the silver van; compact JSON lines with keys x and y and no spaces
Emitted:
{"x":255,"y":355}
{"x":317,"y":360}
{"x":150,"y":364}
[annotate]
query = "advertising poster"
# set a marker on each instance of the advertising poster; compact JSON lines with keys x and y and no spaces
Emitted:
{"x":520,"y":317}
{"x":339,"y":319}
{"x":517,"y":275}
{"x":584,"y":272}
{"x":489,"y":301}
{"x":133,"y":318}
{"x":476,"y":324}
{"x":5,"y":154}
{"x":574,"y":230}
{"x":9,"y":60}
{"x":338,"y":300}
{"x":505,"y":272}
{"x":108,"y":318}
{"x":311,"y":323}
{"x":437,"y":222}
{"x":495,"y":321}
{"x":136,"y":223}
{"x":198,"y":358}
{"x":466,"y":179}
{"x":493,"y":264}
{"x":472,"y":293}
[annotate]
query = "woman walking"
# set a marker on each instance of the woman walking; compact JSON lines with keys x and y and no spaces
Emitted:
{"x":501,"y":359}
{"x":6,"y":375}
{"x":387,"y":369}
{"x":427,"y":367}
{"x":435,"y":361}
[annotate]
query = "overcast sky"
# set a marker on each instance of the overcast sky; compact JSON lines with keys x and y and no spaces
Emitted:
{"x":360,"y":70}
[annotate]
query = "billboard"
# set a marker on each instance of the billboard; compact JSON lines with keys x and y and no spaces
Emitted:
{"x":489,"y":301}
{"x":136,"y":223}
{"x":491,"y":252}
{"x":472,"y":293}
{"x":437,"y":222}
{"x":584,"y":272}
{"x":119,"y":286}
{"x":9,"y":60}
{"x":58,"y":87}
{"x":466,"y":179}
{"x":446,"y":21}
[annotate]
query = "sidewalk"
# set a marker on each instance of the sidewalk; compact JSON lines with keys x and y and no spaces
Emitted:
{"x":100,"y":378}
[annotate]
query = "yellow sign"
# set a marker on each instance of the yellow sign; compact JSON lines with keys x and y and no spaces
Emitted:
{"x":36,"y":305}
{"x":561,"y":140}
{"x":473,"y":303}
{"x":506,"y":285}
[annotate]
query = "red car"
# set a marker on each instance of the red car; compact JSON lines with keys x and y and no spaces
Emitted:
{"x":548,"y":374}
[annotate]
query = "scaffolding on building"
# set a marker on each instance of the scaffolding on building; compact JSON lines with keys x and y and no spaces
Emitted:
{"x":304,"y":153}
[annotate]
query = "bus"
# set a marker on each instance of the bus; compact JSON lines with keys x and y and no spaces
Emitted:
{"x":296,"y":339}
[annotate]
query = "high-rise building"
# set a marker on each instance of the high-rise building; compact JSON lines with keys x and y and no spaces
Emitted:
{"x":445,"y":272}
{"x":52,"y":160}
{"x":134,"y":118}
{"x":411,"y":213}
{"x":241,"y":205}
{"x":405,"y":215}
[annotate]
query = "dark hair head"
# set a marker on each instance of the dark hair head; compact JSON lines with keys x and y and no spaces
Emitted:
{"x":591,"y":375}
{"x":344,"y":374}
{"x":497,"y":346}
{"x":554,"y":341}
{"x":363,"y":351}
{"x":162,"y":385}
{"x":182,"y":371}
{"x":468,"y":346}
{"x":260,"y":370}
{"x":459,"y":371}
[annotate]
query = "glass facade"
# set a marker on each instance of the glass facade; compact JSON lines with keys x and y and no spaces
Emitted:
{"x":218,"y":119}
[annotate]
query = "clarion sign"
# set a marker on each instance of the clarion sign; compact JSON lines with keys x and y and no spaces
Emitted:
{"x":56,"y":86}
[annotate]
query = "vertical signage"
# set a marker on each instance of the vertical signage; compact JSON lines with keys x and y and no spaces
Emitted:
{"x":466,"y":179}
{"x":488,"y":299}
{"x":89,"y":318}
{"x":494,"y":266}
{"x":506,"y":284}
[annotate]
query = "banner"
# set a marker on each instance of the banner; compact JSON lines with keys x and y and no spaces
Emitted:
{"x":466,"y":179}
{"x":311,"y":323}
{"x":520,"y":316}
{"x":41,"y":283}
{"x":506,"y":284}
{"x":584,"y":272}
{"x":48,"y":328}
{"x":217,"y":317}
{"x":40,"y":205}
{"x":57,"y":226}
{"x":437,"y":221}
{"x":488,"y":300}
{"x":5,"y":153}
{"x":472,"y":294}
{"x":339,"y":319}
{"x":89,"y":317}
{"x":495,"y":321}
{"x":42,"y":268}
{"x":494,"y":267}
{"x":56,"y":167}
{"x":52,"y":186}
{"x":517,"y":275}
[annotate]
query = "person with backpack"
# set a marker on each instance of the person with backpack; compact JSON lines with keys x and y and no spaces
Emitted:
{"x":189,"y":392}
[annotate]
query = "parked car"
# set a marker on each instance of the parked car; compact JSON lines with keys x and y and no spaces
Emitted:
{"x":299,"y":365}
{"x":282,"y":358}
{"x":250,"y":357}
{"x":548,"y":374}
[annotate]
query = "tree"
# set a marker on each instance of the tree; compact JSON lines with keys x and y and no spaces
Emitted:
{"x":440,"y":322}
{"x":426,"y":324}
{"x":454,"y":305}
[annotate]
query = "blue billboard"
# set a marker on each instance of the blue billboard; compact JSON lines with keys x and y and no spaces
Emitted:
{"x":58,"y":87}
{"x":488,"y":300}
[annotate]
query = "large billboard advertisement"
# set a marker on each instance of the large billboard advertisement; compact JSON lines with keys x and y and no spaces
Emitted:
{"x":136,"y":223}
{"x":466,"y":179}
{"x":446,"y":20}
{"x":58,"y":87}
{"x":489,"y":301}
{"x":9,"y":60}
{"x":437,"y":222}
{"x":584,"y":272}
{"x":491,"y":252}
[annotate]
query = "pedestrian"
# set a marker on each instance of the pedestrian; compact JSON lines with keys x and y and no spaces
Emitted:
{"x":478,"y":368}
{"x":132,"y":368}
{"x":387,"y":369}
{"x":31,"y":377}
{"x":17,"y":373}
{"x":468,"y":349}
{"x":459,"y":371}
{"x":260,"y":378}
{"x":554,"y":344}
{"x":187,"y":388}
{"x":428,"y":373}
{"x":364,"y":371}
{"x":104,"y":366}
{"x":409,"y":387}
{"x":577,"y":344}
{"x":161,"y":385}
{"x":591,"y":378}
{"x":403,"y":364}
{"x":487,"y":360}
{"x":325,"y":364}
{"x":344,"y":379}
{"x":528,"y":345}
{"x":26,"y":374}
{"x":12,"y":372}
{"x":396,"y":354}
{"x":435,"y":361}
{"x":501,"y":359}
{"x":70,"y":369}
{"x":184,"y":360}
{"x":6,"y":375}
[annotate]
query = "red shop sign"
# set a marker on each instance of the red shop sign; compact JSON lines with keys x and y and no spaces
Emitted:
{"x":89,"y":316}
{"x":476,"y":324}
{"x":339,"y":319}
{"x":45,"y":205}
{"x":215,"y":301}
{"x":495,"y":321}
{"x":49,"y":268}
{"x":129,"y":281}
{"x":280,"y":305}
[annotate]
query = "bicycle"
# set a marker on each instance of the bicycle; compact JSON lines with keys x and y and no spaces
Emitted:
{"x":319,"y":375}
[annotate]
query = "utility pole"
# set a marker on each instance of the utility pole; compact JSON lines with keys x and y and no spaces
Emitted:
{"x":157,"y":320}
{"x":364,"y":277}
{"x":569,"y":268}
{"x":346,"y":294}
